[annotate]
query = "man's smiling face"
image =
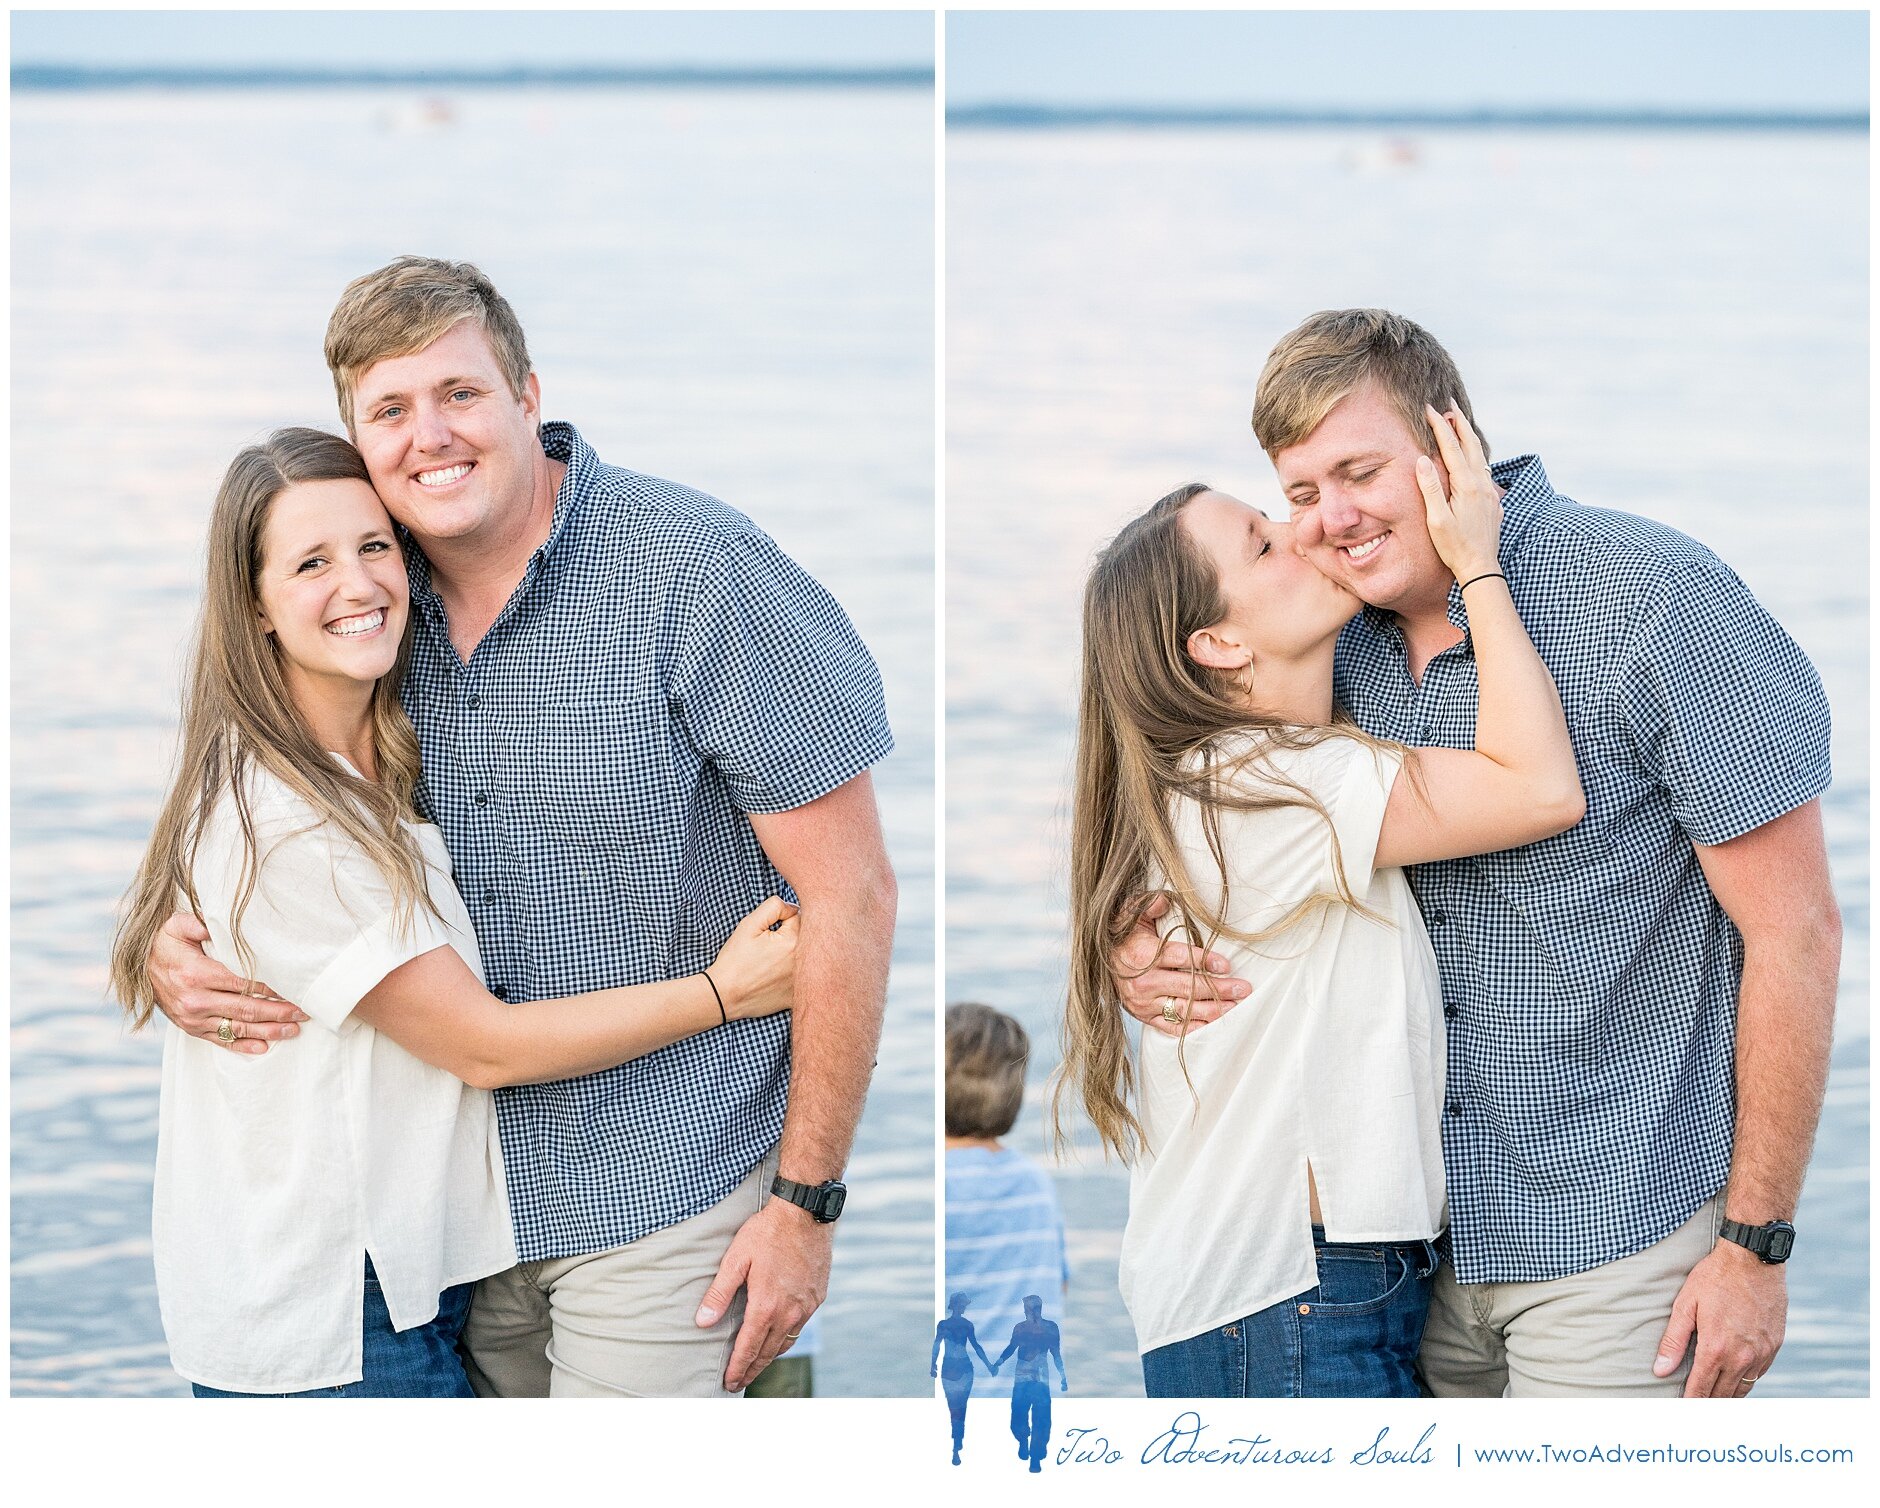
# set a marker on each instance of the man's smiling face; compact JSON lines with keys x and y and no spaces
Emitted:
{"x":1356,"y":510}
{"x":450,"y":448}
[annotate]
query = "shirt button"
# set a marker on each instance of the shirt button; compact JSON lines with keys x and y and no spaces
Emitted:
{"x":489,"y":895}
{"x":483,"y":798}
{"x":1455,"y":1106}
{"x":1450,"y":1012}
{"x":1435,"y":918}
{"x":475,"y":699}
{"x":501,"y":992}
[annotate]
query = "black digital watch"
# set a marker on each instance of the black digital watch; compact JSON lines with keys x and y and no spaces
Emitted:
{"x":1771,"y":1243}
{"x":824,"y":1201}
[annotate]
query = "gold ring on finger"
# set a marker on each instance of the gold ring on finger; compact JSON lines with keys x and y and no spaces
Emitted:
{"x":1171,"y":1009}
{"x":225,"y":1031}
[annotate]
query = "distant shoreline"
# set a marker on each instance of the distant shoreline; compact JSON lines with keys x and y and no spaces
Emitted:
{"x":1019,"y":117}
{"x":63,"y":77}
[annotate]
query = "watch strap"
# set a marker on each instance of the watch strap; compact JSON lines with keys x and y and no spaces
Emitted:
{"x":803,"y":1195}
{"x":814,"y":1197}
{"x":1771,"y":1243}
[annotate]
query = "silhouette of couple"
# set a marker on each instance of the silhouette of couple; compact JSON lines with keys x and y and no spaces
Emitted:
{"x":1034,"y":1338}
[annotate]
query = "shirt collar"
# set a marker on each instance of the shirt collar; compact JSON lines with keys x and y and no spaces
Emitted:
{"x":1525,"y":495}
{"x":560,"y":442}
{"x":563,"y":442}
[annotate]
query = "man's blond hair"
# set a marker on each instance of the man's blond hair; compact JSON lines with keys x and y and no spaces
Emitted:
{"x":407,"y":304}
{"x":1338,"y":351}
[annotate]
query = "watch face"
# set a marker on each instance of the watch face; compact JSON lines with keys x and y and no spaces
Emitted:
{"x":1781,"y":1243}
{"x":834,"y":1196}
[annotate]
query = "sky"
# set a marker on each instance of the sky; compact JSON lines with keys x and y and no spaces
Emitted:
{"x":469,"y":38}
{"x":1368,"y":60}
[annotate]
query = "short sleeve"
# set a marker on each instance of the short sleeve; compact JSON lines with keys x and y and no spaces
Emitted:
{"x":1356,"y":796}
{"x":771,"y":681}
{"x":321,"y":925}
{"x":1725,"y":711}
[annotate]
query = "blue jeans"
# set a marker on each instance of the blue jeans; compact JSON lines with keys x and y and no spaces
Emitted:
{"x":418,"y":1363}
{"x":1354,"y":1335}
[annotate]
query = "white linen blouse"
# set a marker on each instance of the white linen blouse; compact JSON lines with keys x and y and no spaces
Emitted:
{"x":277,"y":1174}
{"x":1335,"y":1060}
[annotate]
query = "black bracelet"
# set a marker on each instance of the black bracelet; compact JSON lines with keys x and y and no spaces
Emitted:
{"x":1485,"y":576}
{"x":723,"y":1019}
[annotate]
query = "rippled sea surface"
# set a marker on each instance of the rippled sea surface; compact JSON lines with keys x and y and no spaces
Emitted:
{"x":1675,"y":322}
{"x":730,"y":288}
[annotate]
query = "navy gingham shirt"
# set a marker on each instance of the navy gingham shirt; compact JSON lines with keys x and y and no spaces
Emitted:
{"x":1590,"y":981}
{"x":661,"y":670}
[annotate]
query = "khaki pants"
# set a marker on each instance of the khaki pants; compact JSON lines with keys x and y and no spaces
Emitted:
{"x":1593,"y":1334}
{"x":617,"y":1324}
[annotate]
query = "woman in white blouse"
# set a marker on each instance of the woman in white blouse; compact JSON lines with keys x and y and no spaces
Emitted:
{"x":1286,"y":1163}
{"x":321,"y":1209}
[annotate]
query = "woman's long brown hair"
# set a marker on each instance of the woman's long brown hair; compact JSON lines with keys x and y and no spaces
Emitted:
{"x":1150,"y":726}
{"x":238,"y":715}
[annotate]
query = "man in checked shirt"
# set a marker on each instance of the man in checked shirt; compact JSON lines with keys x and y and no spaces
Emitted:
{"x":1640,"y":1011}
{"x":638,"y":718}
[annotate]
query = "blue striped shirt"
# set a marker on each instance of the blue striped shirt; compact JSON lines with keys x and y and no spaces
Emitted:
{"x":1005,"y":1236}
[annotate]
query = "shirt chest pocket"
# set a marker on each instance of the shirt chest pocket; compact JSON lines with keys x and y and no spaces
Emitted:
{"x":597,"y":773}
{"x":1612,"y":791}
{"x":1560,"y":859}
{"x":1615,"y":789}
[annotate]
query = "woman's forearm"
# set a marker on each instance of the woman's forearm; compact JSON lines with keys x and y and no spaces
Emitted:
{"x":1519,"y":723}
{"x":437,"y":1010}
{"x":545,"y":1040}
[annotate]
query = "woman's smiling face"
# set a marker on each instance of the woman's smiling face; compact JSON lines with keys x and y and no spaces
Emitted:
{"x":332,"y":589}
{"x":1278,"y":604}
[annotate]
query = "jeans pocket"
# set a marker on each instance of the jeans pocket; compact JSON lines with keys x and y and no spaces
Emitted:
{"x":1358,"y":1279}
{"x":1212,"y":1364}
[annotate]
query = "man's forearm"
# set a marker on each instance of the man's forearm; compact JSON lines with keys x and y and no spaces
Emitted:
{"x":1784,"y":1037}
{"x":841,"y":989}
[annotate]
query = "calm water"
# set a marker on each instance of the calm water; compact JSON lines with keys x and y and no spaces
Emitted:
{"x":730,"y":288}
{"x":1675,"y":322}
